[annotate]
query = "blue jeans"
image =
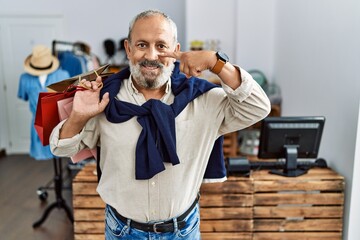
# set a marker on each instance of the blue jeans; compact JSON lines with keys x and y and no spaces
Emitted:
{"x":116,"y":229}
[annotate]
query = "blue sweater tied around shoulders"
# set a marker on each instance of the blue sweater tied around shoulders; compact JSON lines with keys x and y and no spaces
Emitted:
{"x":157,"y":140}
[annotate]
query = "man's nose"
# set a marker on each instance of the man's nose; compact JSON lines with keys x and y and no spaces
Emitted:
{"x":152,"y":54}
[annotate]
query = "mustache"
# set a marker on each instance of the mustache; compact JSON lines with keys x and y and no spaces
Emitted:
{"x":151,"y":63}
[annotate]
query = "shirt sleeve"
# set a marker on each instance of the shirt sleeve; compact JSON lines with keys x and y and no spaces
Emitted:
{"x":239,"y":108}
{"x":244,"y":90}
{"x":22,"y":90}
{"x":68,"y":147}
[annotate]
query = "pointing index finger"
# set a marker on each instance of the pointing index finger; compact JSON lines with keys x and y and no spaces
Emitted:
{"x":176,"y":55}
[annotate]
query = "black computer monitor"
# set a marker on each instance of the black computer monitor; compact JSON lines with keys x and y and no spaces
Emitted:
{"x":290,"y":138}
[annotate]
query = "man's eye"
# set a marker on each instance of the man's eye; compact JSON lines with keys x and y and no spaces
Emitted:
{"x":162,"y":46}
{"x":141,"y":45}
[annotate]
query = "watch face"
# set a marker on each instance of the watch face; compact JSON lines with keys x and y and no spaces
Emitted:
{"x":222,"y":56}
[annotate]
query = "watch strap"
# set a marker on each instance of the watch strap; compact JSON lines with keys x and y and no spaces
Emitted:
{"x":218,"y":66}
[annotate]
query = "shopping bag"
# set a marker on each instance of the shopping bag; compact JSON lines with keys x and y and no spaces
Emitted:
{"x":61,"y":86}
{"x":47,"y":116}
{"x":65,"y":107}
{"x":64,"y":110}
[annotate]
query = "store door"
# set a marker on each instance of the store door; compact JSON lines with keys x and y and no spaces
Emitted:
{"x":18,"y":35}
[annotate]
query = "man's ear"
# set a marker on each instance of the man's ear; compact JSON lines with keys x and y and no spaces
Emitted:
{"x":127,"y":47}
{"x":177,"y":47}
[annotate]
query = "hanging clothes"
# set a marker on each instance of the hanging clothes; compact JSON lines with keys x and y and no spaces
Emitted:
{"x":70,"y":62}
{"x":29,"y":89}
{"x":76,"y":58}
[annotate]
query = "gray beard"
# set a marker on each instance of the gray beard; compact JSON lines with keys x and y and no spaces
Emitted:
{"x":150,"y":80}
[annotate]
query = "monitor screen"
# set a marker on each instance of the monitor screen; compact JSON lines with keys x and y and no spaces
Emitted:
{"x":290,"y":138}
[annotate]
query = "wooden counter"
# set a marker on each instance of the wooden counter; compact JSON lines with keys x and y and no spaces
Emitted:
{"x":262,"y":206}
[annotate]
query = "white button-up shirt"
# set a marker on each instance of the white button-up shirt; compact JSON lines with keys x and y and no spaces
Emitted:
{"x":169,"y":193}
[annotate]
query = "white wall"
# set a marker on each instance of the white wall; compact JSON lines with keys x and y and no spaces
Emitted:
{"x":317,"y":57}
{"x":354,"y":218}
{"x":95,"y":21}
{"x":243,"y":27}
{"x":205,"y":20}
{"x":255,"y":35}
{"x":3,"y":123}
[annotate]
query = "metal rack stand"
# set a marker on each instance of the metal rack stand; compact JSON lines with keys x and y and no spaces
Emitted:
{"x":60,"y":202}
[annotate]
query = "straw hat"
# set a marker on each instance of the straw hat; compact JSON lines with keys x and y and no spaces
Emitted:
{"x":41,"y":61}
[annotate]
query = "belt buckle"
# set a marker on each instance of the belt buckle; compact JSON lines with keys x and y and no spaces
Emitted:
{"x":154,"y":227}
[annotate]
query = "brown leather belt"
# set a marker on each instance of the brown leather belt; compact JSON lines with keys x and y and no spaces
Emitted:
{"x":158,"y":227}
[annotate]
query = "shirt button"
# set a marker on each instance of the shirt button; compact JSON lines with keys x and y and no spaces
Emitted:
{"x":153,"y":184}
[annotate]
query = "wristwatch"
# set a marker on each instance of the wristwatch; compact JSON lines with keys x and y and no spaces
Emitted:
{"x":222,"y":59}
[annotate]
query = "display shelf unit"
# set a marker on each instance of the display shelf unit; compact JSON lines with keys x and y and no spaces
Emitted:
{"x":258,"y":207}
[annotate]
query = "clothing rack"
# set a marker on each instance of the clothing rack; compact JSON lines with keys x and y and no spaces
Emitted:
{"x":58,"y":179}
{"x":56,"y":43}
{"x":75,"y":57}
{"x":60,"y":201}
{"x":74,"y":46}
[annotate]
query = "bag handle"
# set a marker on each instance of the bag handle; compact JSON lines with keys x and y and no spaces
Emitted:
{"x":81,"y":86}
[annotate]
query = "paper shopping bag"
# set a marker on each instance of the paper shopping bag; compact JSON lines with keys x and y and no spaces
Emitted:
{"x":65,"y":107}
{"x":61,"y":86}
{"x":64,"y":110}
{"x":47,"y":116}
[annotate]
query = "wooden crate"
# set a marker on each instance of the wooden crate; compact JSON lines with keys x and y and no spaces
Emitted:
{"x":88,"y":206}
{"x":226,"y":210}
{"x":306,"y":207}
{"x":262,"y":206}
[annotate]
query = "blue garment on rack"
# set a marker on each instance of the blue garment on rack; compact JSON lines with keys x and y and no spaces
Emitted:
{"x":70,"y":62}
{"x":83,"y":62}
{"x":29,"y":89}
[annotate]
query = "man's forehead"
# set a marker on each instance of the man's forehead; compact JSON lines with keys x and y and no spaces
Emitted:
{"x":146,"y":28}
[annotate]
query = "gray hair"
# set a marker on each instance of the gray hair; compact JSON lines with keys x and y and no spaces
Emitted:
{"x":149,"y":13}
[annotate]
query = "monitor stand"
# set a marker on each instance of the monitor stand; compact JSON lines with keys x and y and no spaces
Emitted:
{"x":290,"y":168}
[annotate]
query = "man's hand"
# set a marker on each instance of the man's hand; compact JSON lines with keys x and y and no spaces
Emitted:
{"x":194,"y":62}
{"x":86,"y":105}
